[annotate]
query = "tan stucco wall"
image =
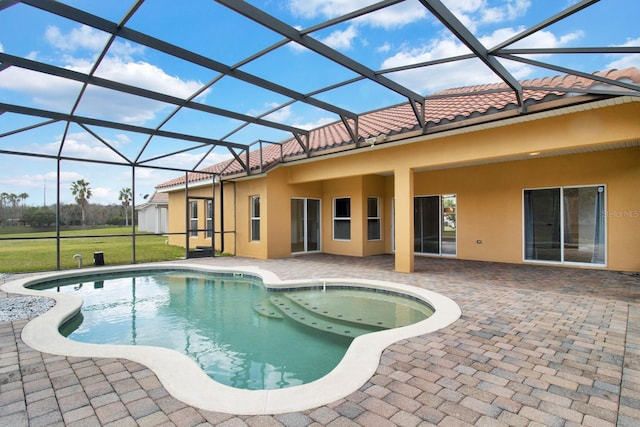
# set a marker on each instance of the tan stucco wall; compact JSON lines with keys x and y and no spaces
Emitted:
{"x":490,"y":204}
{"x":175,"y":218}
{"x":244,"y":191}
{"x":348,"y":187}
{"x":275,"y":216}
{"x":489,"y":195}
{"x":280,"y":195}
{"x":373,"y":186}
{"x":177,"y":213}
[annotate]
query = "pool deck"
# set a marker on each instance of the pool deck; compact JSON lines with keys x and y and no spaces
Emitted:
{"x":535,"y":345}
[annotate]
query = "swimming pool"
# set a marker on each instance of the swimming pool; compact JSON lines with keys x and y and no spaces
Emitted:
{"x":185,"y":379}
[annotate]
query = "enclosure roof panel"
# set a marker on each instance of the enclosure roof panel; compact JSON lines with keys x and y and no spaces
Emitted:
{"x":243,"y":85}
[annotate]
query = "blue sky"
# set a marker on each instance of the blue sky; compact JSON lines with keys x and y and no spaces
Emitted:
{"x":399,"y":35}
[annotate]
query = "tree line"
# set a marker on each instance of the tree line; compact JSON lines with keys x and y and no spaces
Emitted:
{"x":13,"y":209}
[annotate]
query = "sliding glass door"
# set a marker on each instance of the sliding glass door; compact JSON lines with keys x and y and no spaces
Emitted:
{"x":542,"y":224}
{"x":435,"y":224}
{"x":565,"y":224}
{"x":426,"y":222}
{"x":305,"y":225}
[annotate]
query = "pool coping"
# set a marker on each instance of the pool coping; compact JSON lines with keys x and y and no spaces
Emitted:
{"x":184,"y":379}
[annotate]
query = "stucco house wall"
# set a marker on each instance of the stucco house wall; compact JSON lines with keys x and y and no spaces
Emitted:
{"x":487,"y":167}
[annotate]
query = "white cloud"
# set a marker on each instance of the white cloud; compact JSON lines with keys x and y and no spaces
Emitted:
{"x":434,"y":78}
{"x":104,"y":195}
{"x":390,"y":17}
{"x":89,"y":39}
{"x":384,"y":48}
{"x":37,"y":184}
{"x":126,"y":50}
{"x":326,"y":8}
{"x":60,"y":94}
{"x":341,"y":39}
{"x":465,"y":10}
{"x":287,"y":115}
{"x":458,"y":74}
{"x":539,"y":39}
{"x":476,"y":13}
{"x":82,"y":37}
{"x":45,"y":90}
{"x":435,"y":49}
{"x":1,"y":48}
{"x":321,"y":121}
{"x":395,"y":16}
{"x":143,"y":74}
{"x":506,"y":12}
{"x":83,"y":145}
{"x":280,"y":115}
{"x":625,"y":61}
{"x":186,"y":160}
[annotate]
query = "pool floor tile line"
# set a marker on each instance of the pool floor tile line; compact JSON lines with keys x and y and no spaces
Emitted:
{"x":535,"y":345}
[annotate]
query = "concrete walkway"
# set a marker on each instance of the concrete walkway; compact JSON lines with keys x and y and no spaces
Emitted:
{"x":535,"y":345}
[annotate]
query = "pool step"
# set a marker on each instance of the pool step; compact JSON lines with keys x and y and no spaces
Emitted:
{"x":266,"y":308}
{"x":294,"y":311}
{"x":365,"y":316}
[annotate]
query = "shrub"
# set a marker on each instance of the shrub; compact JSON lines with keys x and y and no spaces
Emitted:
{"x":115,"y":220}
{"x":39,"y":217}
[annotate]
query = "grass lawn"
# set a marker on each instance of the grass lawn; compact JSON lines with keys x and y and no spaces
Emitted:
{"x":17,"y":256}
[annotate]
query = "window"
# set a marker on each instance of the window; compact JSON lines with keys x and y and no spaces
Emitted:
{"x":435,"y":224}
{"x":193,"y":221}
{"x":373,"y":218}
{"x":255,"y":218}
{"x":342,"y":218}
{"x":209,"y":231}
{"x":565,"y":225}
{"x":449,"y":221}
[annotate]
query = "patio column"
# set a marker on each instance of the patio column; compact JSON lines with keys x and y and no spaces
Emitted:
{"x":403,"y":192}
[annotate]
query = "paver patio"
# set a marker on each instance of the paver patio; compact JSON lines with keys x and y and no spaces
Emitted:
{"x":535,"y":345}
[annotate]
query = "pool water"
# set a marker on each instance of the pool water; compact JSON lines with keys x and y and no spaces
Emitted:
{"x":241,"y":334}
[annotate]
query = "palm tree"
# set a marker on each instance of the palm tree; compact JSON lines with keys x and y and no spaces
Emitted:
{"x":13,"y":199}
{"x":82,"y":193}
{"x":23,"y":197}
{"x":125,"y":197}
{"x":4,"y":198}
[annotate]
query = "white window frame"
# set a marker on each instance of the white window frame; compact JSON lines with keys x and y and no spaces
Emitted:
{"x":337,"y":219}
{"x":255,"y":218}
{"x":562,"y":225}
{"x":193,"y":218}
{"x":209,"y":231}
{"x":441,"y":225}
{"x":375,"y":217}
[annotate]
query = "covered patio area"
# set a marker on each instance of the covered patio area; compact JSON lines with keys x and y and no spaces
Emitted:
{"x":535,"y":345}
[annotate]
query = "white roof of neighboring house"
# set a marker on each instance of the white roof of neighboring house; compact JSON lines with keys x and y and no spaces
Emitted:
{"x":156,"y":199}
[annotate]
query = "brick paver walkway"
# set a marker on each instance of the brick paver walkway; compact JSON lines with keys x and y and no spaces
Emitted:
{"x":535,"y":346}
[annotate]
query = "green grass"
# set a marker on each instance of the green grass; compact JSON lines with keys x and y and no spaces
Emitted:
{"x":30,"y":255}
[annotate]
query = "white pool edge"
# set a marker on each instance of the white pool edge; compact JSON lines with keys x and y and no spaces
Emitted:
{"x":184,"y":379}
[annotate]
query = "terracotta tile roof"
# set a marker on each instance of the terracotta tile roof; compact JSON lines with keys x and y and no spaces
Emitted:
{"x":447,"y":106}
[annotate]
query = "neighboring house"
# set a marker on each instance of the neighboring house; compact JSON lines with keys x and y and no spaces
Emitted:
{"x":152,"y":216}
{"x":553,"y":182}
